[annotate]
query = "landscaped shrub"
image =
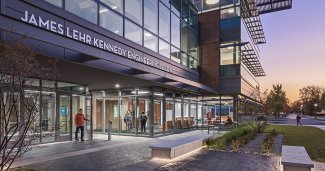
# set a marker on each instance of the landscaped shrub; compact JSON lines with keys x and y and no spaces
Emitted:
{"x":235,"y":145}
{"x":235,"y":138}
{"x":268,"y":142}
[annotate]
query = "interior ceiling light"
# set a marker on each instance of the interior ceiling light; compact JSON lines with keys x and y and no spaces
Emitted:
{"x":231,"y":10}
{"x":211,"y":2}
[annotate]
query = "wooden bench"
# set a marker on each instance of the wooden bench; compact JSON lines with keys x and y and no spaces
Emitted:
{"x":295,"y":158}
{"x":176,"y":148}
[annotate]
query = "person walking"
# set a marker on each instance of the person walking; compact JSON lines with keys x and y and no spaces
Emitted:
{"x":143,"y":120}
{"x":127,"y":119}
{"x":79,"y":121}
{"x":298,"y":119}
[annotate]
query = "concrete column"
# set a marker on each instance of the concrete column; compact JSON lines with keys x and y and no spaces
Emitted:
{"x":182,"y":111}
{"x":103,"y":115}
{"x":137,"y":112}
{"x":197,"y":111}
{"x":164,"y":111}
{"x":189,"y":113}
{"x":119,"y":110}
{"x":151,"y":114}
{"x":173,"y":114}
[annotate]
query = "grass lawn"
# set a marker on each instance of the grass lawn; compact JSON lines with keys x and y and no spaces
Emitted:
{"x":313,"y":139}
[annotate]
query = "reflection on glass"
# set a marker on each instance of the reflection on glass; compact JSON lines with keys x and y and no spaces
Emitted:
{"x":151,"y":15}
{"x":184,"y":37}
{"x":175,"y":54}
{"x":86,"y":9}
{"x":176,"y":6}
{"x":193,"y":63}
{"x":175,"y":31}
{"x":193,"y":44}
{"x":184,"y":60}
{"x":150,"y":41}
{"x":164,"y":23}
{"x":64,"y":111}
{"x":48,"y":116}
{"x":164,"y":48}
{"x":111,"y":21}
{"x":57,"y":3}
{"x":133,"y":32}
{"x":114,"y":4}
{"x":178,"y":115}
{"x":185,"y":10}
{"x":166,"y":2}
{"x":133,"y":10}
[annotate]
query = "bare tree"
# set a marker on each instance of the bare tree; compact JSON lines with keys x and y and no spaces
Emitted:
{"x":19,"y":103}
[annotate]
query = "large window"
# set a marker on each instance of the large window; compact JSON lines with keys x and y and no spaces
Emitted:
{"x":111,"y":21}
{"x":164,"y":22}
{"x":175,"y":54}
{"x":151,"y":15}
{"x":164,"y":48}
{"x":150,"y":41}
{"x":133,"y":10}
{"x":133,"y":32}
{"x":184,"y":36}
{"x":168,"y":27}
{"x":193,"y":44}
{"x":114,"y":4}
{"x":175,"y":31}
{"x":229,"y":55}
{"x":86,"y":9}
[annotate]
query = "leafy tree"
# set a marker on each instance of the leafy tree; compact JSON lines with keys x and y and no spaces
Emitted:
{"x":264,"y":101}
{"x":311,"y":95}
{"x":277,"y":100}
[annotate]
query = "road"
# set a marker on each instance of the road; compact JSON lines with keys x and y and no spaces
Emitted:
{"x":305,"y":120}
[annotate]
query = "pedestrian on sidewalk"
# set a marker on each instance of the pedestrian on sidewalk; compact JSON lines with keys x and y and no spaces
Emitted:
{"x":298,"y":119}
{"x":79,"y":120}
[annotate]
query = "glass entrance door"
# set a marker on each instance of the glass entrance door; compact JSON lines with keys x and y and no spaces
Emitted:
{"x":64,"y":117}
{"x":84,"y":103}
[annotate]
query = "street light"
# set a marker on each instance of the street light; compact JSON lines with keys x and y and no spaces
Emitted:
{"x":315,"y":109}
{"x":301,"y":109}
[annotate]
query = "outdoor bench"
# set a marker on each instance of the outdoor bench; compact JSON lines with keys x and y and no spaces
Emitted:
{"x":176,"y":148}
{"x":295,"y":158}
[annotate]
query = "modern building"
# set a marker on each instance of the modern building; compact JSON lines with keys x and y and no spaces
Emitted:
{"x":171,"y":60}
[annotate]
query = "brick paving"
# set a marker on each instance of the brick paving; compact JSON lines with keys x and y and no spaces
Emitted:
{"x":95,"y":155}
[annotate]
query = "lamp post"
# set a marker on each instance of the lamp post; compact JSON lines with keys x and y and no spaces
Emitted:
{"x":301,"y":108}
{"x":315,"y":105}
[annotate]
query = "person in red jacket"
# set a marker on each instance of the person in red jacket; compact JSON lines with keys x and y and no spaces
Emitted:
{"x":80,"y":122}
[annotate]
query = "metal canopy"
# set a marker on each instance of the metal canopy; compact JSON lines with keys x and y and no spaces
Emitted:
{"x":251,"y":60}
{"x":267,"y":6}
{"x":251,"y":18}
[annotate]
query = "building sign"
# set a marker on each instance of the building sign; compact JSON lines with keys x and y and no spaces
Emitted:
{"x":91,"y":40}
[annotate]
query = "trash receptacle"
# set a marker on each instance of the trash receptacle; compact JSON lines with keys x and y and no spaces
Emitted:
{"x":109,"y":130}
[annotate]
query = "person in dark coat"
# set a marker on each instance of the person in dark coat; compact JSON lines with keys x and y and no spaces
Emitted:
{"x":143,"y":119}
{"x":298,"y":119}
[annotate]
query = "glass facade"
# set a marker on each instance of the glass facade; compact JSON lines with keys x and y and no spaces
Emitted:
{"x":127,"y":109}
{"x":54,"y":107}
{"x":169,"y":28}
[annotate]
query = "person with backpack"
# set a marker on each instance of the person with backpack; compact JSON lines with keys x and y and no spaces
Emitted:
{"x":298,"y":119}
{"x":143,"y":119}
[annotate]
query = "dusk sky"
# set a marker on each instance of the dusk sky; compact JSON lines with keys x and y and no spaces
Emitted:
{"x":294,"y":52}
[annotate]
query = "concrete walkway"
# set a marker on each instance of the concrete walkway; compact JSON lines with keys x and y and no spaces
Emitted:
{"x":96,"y":155}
